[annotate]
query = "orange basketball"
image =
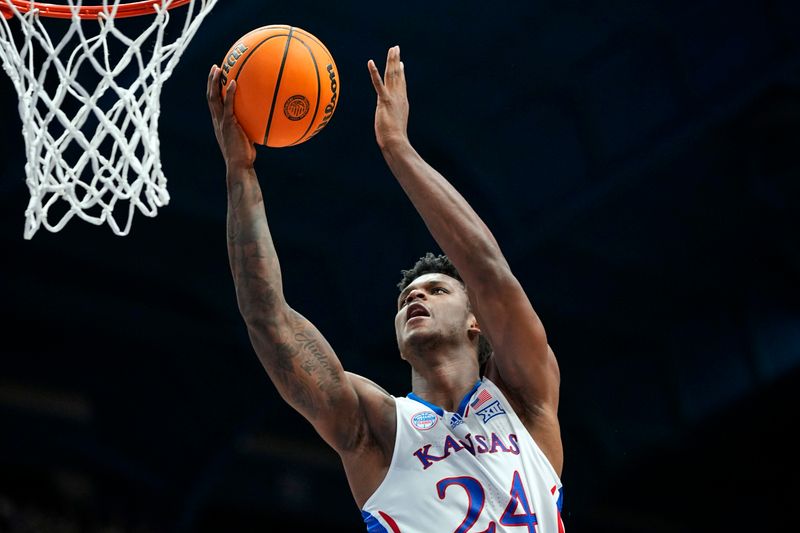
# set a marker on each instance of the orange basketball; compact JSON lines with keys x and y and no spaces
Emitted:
{"x":287,"y":85}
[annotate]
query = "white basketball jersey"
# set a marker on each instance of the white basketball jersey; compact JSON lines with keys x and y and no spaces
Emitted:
{"x":473,"y":471}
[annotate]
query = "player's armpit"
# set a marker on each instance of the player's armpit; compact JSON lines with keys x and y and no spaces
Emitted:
{"x":522,"y":356}
{"x":367,"y":464}
{"x":540,"y":416}
{"x":378,"y":408}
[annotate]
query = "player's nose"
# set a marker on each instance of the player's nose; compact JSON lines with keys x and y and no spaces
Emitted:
{"x":416,"y":294}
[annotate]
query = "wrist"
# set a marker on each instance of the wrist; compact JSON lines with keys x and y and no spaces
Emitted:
{"x":238,"y":170}
{"x":394,"y":145}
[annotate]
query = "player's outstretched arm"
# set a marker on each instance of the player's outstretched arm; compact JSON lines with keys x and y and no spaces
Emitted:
{"x":296,"y":356}
{"x":522,"y":358}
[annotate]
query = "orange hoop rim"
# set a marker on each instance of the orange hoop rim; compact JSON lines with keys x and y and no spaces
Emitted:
{"x":124,"y":10}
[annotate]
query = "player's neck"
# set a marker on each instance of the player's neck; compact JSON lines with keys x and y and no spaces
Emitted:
{"x":444,"y":383}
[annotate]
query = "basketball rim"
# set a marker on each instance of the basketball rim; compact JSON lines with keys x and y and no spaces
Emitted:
{"x":123,"y":9}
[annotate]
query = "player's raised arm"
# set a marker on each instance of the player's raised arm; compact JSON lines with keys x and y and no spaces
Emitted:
{"x":297,"y":358}
{"x":522,"y":359}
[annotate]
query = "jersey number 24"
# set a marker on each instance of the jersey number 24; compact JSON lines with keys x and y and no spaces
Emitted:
{"x":477,"y":496}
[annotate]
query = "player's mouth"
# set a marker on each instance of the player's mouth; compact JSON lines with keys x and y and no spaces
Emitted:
{"x":416,"y":310}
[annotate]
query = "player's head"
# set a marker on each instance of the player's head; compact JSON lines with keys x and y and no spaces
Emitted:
{"x":438,"y":291}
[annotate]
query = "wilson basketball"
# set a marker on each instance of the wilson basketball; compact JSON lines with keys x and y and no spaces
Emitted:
{"x":287,"y":85}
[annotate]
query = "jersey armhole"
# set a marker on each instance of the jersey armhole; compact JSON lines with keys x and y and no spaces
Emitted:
{"x":393,"y":462}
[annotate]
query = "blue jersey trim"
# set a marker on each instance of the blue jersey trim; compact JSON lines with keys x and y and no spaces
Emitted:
{"x":438,"y":410}
{"x":463,"y":405}
{"x":560,"y":501}
{"x":373,"y":526}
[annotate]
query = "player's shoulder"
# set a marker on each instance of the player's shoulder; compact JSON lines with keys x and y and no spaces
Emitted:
{"x":360,"y":382}
{"x":375,"y":401}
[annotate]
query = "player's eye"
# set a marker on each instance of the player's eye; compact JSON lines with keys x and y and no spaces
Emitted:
{"x":439,"y":290}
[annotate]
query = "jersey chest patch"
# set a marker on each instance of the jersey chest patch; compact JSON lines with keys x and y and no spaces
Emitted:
{"x":424,"y":420}
{"x":490,"y":411}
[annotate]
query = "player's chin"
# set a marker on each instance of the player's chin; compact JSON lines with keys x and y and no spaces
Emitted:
{"x":420,"y":336}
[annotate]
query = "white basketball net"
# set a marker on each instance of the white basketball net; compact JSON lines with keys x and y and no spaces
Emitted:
{"x":90,"y":147}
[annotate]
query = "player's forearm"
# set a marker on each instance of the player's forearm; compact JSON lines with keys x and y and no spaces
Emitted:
{"x":453,"y":223}
{"x":253,"y":260}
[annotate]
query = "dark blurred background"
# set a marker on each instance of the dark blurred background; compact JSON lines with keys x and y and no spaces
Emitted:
{"x":638,"y":163}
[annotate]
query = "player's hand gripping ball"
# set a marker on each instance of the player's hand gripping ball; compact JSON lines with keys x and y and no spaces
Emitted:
{"x":287,"y":85}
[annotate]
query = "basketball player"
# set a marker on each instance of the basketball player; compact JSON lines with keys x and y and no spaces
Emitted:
{"x":463,"y":452}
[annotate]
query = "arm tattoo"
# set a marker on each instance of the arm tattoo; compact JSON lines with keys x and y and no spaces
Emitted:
{"x":298,"y":359}
{"x":304,"y":368}
{"x":253,"y":260}
{"x":297,"y":391}
{"x":317,"y":361}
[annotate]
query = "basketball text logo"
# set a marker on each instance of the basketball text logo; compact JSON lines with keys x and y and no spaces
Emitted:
{"x":231,"y":60}
{"x":332,"y":104}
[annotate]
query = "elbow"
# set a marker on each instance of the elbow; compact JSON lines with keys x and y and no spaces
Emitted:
{"x":493,"y":272}
{"x":263,"y":319}
{"x":262,"y":327}
{"x":259,"y":304}
{"x":484,"y":255}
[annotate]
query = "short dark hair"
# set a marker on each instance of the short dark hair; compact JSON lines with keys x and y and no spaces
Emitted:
{"x":441,"y":264}
{"x":429,"y":264}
